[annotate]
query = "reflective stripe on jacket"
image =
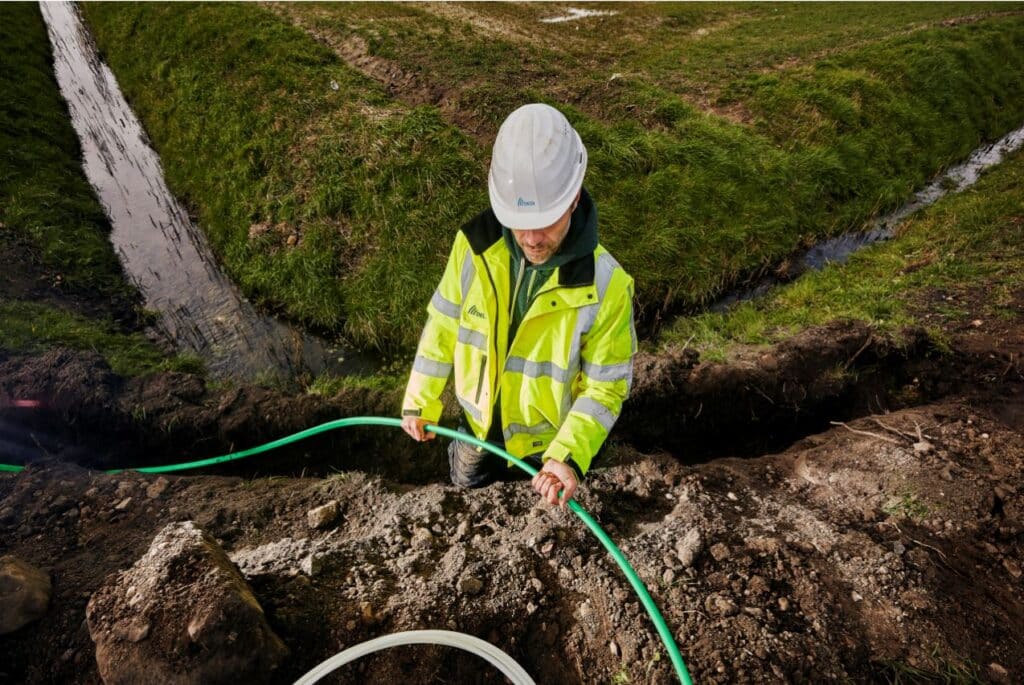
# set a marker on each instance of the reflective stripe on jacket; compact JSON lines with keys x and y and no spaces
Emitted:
{"x":566,"y":374}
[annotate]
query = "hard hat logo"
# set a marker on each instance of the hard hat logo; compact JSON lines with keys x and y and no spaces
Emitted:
{"x":538,"y":155}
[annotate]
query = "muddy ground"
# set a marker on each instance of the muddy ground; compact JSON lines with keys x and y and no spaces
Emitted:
{"x":779,"y":546}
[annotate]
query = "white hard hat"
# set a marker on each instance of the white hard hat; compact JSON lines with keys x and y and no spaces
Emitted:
{"x":537,"y":167}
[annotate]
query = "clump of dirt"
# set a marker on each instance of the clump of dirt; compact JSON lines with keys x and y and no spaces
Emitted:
{"x":860,"y":550}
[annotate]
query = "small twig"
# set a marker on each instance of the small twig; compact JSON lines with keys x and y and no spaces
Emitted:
{"x":886,"y":438}
{"x":857,"y":353}
{"x":922,"y":544}
{"x":891,"y":429}
{"x":761,"y":393}
{"x":40,"y":445}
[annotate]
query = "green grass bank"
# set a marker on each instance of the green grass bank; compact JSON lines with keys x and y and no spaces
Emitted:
{"x":722,"y":137}
{"x":62,"y":283}
{"x":971,"y":241}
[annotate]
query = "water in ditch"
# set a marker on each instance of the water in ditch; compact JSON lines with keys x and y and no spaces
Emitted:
{"x":839,"y":249}
{"x":163,"y":252}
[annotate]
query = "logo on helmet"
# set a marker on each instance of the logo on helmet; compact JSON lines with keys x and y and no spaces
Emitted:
{"x":525,"y":203}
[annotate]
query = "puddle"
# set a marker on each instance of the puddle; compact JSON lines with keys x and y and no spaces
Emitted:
{"x":839,"y":249}
{"x":162,"y":251}
{"x":577,"y":14}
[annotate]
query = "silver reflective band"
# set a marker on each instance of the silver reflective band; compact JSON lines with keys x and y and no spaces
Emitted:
{"x":446,"y":307}
{"x":596,"y":411}
{"x":474,"y":338}
{"x":470,"y":409}
{"x":608,"y":373}
{"x":429,"y":367}
{"x":468,"y":271}
{"x":537,"y":369}
{"x":518,"y":428}
{"x":606,"y":266}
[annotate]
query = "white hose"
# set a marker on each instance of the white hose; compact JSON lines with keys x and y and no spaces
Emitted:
{"x":497,"y":658}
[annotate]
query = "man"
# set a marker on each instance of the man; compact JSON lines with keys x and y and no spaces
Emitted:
{"x":534,"y":316}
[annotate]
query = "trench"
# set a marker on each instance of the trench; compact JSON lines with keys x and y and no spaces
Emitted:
{"x":163,"y":252}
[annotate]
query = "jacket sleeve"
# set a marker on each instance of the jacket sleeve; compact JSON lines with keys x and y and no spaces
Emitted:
{"x":605,"y":378}
{"x":435,"y":352}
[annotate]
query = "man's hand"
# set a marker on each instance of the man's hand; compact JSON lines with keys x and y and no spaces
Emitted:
{"x":552,"y":478}
{"x":417,"y":428}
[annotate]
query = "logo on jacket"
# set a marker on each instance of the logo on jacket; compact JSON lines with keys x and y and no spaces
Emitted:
{"x":525,"y":203}
{"x":476,"y":312}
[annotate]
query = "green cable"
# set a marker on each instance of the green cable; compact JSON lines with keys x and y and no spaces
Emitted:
{"x":620,"y":559}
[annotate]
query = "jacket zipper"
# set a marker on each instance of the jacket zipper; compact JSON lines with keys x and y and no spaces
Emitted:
{"x":515,"y":291}
{"x":483,"y":362}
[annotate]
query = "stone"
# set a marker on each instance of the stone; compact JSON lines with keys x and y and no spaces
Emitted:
{"x":469,"y":585}
{"x":923,"y":447}
{"x":1012,"y":567}
{"x":689,"y":548}
{"x":24,"y":594}
{"x":181,"y":615}
{"x":998,"y":673}
{"x":422,"y":539}
{"x":323,"y":516}
{"x":157,"y":487}
{"x":719,"y":551}
{"x":123,"y":504}
{"x":720,"y":605}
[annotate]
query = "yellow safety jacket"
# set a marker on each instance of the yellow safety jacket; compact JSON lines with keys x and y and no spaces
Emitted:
{"x":565,"y":375}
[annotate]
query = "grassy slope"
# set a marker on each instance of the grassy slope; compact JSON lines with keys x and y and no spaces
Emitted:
{"x":46,"y":201}
{"x":974,"y":239}
{"x":837,"y":124}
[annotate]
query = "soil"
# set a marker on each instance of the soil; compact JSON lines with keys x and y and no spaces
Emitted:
{"x":841,"y":506}
{"x":884,"y":547}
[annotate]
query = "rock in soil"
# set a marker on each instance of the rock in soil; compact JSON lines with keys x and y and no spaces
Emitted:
{"x":323,"y":516}
{"x":182,"y":615}
{"x":24,"y":594}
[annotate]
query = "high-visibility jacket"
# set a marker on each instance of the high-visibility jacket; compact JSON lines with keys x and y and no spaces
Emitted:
{"x":564,"y":377}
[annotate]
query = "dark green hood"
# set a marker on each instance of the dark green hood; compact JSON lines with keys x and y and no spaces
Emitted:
{"x":580,"y":241}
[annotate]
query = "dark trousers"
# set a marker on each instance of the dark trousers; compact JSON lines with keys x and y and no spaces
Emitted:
{"x":473,"y":467}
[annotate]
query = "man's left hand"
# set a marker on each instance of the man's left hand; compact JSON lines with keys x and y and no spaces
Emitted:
{"x":554,"y":477}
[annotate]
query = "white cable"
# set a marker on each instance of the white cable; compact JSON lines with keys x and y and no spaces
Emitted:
{"x":497,"y":658}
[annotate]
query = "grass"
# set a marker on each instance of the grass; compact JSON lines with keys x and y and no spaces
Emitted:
{"x":974,"y":239}
{"x":906,"y":505}
{"x":31,"y":327}
{"x":712,"y":155}
{"x":947,"y":672}
{"x":47,"y":204}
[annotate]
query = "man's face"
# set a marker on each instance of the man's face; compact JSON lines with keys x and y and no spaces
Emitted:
{"x":540,"y":244}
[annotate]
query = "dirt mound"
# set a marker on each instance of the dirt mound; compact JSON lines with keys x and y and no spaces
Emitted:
{"x":850,"y":556}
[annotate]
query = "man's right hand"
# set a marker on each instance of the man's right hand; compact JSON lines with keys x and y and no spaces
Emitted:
{"x":417,"y":428}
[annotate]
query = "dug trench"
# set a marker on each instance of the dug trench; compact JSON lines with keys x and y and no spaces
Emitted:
{"x":887,"y":546}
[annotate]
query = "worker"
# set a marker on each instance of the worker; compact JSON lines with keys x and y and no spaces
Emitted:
{"x":534,"y":317}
